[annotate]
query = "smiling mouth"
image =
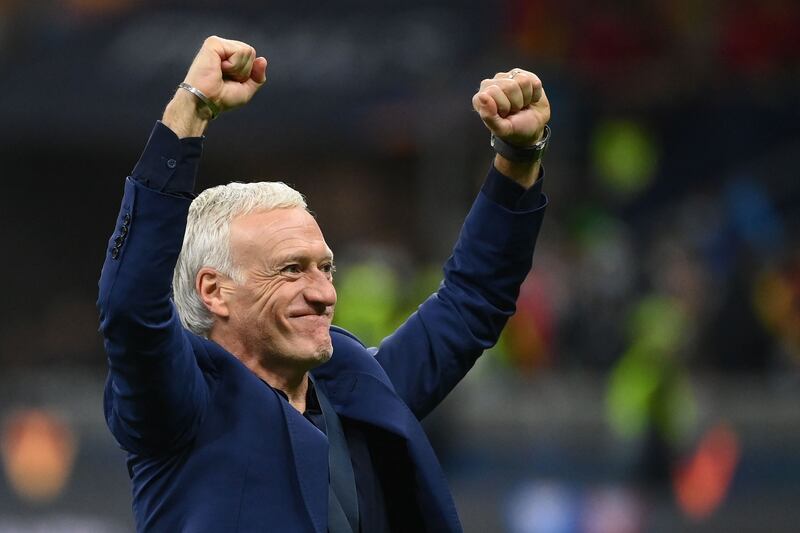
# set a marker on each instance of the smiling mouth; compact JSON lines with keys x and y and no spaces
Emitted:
{"x":314,"y":317}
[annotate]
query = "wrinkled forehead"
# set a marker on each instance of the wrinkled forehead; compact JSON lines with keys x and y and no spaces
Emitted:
{"x":268,"y":235}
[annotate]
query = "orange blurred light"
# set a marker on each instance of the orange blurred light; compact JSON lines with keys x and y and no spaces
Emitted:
{"x":38,"y":451}
{"x":702,"y":482}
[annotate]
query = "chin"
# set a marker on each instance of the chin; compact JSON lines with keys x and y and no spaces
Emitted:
{"x":317,"y":355}
{"x":325,"y":351}
{"x":324,"y":355}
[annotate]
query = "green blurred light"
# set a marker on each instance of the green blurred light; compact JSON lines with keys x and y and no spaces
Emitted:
{"x":367,"y":299}
{"x":625,"y":156}
{"x":649,"y":386}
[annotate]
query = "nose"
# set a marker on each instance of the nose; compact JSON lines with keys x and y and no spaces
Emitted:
{"x":320,"y":292}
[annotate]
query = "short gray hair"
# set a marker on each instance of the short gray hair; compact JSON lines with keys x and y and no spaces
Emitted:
{"x":206,"y":242}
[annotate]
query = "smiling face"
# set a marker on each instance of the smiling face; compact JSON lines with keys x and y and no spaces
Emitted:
{"x":283,"y":310}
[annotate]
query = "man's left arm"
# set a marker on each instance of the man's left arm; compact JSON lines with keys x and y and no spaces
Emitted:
{"x":433,"y":350}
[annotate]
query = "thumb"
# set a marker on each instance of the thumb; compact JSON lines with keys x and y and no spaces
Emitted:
{"x":258,"y":76}
{"x":259,"y":72}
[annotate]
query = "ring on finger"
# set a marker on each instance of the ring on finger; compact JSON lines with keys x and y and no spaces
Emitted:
{"x":513,"y":73}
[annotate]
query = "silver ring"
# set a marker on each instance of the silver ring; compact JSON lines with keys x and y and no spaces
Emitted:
{"x":513,"y":73}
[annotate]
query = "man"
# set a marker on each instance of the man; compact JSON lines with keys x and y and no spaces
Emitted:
{"x":243,"y":409}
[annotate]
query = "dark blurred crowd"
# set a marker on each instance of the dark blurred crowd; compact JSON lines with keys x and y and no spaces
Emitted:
{"x":675,"y":198}
{"x":674,"y":193}
{"x":670,"y":253}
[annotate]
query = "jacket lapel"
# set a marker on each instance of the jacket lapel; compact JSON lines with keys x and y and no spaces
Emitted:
{"x":364,"y":397}
{"x":310,"y":454}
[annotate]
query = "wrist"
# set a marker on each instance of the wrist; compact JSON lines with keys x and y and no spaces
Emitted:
{"x":521,"y":163}
{"x":524,"y":174}
{"x":186,"y":115}
{"x":528,"y":151}
{"x":531,"y":142}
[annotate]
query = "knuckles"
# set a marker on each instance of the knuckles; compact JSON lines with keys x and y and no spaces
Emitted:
{"x":212,"y":40}
{"x":215,"y":41}
{"x":524,"y":83}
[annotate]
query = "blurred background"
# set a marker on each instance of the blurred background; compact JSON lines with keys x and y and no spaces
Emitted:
{"x":650,"y":380}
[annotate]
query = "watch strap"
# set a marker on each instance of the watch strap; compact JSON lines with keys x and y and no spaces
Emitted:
{"x":529,"y":154}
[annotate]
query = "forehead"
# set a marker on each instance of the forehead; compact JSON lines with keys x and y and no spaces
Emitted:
{"x":267,"y":234}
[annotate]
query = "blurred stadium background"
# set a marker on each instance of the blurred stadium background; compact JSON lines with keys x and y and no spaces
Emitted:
{"x":651,"y":378}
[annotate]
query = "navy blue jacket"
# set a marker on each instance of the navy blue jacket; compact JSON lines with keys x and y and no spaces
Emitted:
{"x":211,"y":448}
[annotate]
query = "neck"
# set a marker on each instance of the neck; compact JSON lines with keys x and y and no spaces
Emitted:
{"x":295,"y":387}
{"x":290,"y":380}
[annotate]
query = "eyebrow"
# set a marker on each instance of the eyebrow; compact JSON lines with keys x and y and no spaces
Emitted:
{"x":301,"y":258}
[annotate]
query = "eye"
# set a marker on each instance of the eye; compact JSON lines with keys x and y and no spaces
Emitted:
{"x":328,"y":268}
{"x":294,"y":268}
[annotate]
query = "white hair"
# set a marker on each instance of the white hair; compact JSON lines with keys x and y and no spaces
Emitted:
{"x":206,"y":242}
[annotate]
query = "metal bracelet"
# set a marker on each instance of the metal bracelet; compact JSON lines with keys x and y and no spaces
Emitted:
{"x":203,"y":98}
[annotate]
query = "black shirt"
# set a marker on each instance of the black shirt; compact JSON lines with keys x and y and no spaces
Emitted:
{"x":373,"y":515}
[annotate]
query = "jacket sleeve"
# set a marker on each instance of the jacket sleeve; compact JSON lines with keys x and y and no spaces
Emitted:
{"x":156,"y":394}
{"x":432,"y":351}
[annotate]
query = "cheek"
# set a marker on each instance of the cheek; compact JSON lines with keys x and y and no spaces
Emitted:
{"x":254,"y":303}
{"x":269,"y":315}
{"x":273,"y":305}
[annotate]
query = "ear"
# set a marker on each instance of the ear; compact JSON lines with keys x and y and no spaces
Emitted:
{"x":209,"y":285}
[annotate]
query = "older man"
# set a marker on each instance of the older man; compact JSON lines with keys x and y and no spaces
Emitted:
{"x":240,"y":406}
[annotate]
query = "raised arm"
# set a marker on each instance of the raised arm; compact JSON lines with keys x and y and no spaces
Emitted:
{"x":433,"y":350}
{"x":158,"y":387}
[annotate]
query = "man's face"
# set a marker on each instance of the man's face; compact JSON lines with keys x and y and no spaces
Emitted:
{"x":284,"y":308}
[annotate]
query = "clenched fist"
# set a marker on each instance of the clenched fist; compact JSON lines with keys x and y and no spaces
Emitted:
{"x":513,"y":106}
{"x":227,"y":72}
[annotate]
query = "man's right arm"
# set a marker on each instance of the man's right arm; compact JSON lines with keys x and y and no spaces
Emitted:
{"x":156,"y":394}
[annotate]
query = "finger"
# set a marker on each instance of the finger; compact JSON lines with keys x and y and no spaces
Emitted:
{"x":513,"y":92}
{"x":526,"y":87}
{"x":231,"y":47}
{"x":248,"y":66}
{"x":238,"y":63}
{"x":536,"y":84}
{"x":500,"y":98}
{"x":538,"y":93}
{"x":508,"y":75}
{"x":483,"y":104}
{"x":237,"y":69}
{"x":529,"y":82}
{"x":486,"y":106}
{"x":494,"y":81}
{"x":240,"y":67}
{"x":258,"y":77}
{"x":229,"y":51}
{"x":543,"y":104}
